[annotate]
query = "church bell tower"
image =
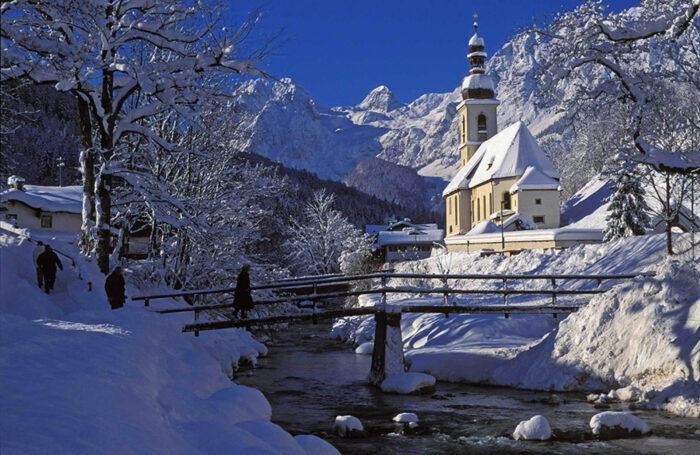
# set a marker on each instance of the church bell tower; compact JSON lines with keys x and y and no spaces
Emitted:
{"x":477,"y":111}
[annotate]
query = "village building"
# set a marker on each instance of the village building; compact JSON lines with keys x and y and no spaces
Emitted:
{"x":404,"y":240}
{"x":54,"y":209}
{"x":505,"y":178}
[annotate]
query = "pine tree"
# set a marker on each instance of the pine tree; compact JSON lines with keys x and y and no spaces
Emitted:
{"x":627,"y":212}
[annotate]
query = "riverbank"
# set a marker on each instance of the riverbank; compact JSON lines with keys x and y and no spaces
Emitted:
{"x":642,"y":338}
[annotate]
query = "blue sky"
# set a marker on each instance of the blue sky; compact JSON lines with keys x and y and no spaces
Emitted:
{"x":340,"y":50}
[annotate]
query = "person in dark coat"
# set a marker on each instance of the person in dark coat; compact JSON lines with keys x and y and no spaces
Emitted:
{"x":47,"y":262}
{"x":35,"y":255}
{"x":114,"y":287}
{"x":242,"y":300}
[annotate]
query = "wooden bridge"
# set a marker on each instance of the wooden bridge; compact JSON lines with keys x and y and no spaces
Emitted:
{"x":387,"y":356}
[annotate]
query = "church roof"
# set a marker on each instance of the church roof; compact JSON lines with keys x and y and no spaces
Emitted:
{"x":507,"y":154}
{"x":476,"y":40}
{"x":477,"y":81}
{"x":534,"y":179}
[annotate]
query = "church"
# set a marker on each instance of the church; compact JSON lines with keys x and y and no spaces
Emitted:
{"x":504,"y":176}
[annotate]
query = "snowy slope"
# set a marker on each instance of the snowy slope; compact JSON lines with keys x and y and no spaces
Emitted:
{"x":590,"y":350}
{"x":79,"y":378}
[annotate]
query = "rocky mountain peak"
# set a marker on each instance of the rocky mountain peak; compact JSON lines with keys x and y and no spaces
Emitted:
{"x":380,"y":99}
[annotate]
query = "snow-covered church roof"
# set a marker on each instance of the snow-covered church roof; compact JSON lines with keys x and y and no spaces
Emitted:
{"x":507,"y":154}
{"x":476,"y":40}
{"x":48,"y":198}
{"x":534,"y":179}
{"x":477,"y":81}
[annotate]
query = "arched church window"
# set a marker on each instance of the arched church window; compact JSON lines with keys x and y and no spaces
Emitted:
{"x":478,"y":209}
{"x":464,"y":130}
{"x":481,"y":127}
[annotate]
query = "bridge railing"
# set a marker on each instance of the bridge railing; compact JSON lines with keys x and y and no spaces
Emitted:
{"x":445,"y":290}
{"x":306,"y":282}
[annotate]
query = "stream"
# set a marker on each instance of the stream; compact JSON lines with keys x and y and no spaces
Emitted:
{"x":309,"y":379}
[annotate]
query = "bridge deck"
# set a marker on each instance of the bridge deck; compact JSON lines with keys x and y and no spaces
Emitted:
{"x":332,"y":314}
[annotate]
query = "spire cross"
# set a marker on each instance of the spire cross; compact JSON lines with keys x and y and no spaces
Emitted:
{"x":476,"y":24}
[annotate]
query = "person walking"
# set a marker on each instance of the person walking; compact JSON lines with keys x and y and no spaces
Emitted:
{"x":242,"y":300}
{"x":35,"y":256}
{"x":47,"y":262}
{"x":114,"y":287}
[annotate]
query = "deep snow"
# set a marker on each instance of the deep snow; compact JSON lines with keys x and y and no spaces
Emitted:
{"x":78,"y":377}
{"x":657,"y":364}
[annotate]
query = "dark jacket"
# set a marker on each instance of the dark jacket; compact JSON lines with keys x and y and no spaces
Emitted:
{"x":47,"y":262}
{"x":242,"y":299}
{"x":114,"y":287}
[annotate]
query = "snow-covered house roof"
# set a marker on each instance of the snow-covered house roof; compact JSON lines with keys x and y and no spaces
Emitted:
{"x":48,"y":198}
{"x":484,"y":227}
{"x":410,"y":236}
{"x":534,"y":179}
{"x":374,"y":229}
{"x":507,"y":154}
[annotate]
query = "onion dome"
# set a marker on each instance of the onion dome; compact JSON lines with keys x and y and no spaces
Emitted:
{"x":477,"y":85}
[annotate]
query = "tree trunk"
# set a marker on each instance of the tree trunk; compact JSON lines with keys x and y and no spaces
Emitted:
{"x":667,"y":210}
{"x":87,"y":168}
{"x":104,"y":188}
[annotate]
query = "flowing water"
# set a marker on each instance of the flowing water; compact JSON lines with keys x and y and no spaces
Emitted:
{"x":309,"y":379}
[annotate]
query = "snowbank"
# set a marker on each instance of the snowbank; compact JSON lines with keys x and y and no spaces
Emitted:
{"x":406,"y":383}
{"x":537,"y":428}
{"x":365,"y":348}
{"x":609,"y":420}
{"x":347,"y":425}
{"x":78,"y":377}
{"x":655,"y":365}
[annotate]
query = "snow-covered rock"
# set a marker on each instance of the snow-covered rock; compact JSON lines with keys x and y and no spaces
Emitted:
{"x":315,"y":445}
{"x":610,"y":424}
{"x":407,"y":383}
{"x":348,"y":426}
{"x":537,"y":428}
{"x":365,"y":348}
{"x":405,"y":417}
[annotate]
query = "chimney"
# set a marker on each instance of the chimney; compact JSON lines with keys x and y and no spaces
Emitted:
{"x":16,"y":182}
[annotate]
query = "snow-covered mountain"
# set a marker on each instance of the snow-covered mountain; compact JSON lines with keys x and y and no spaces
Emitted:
{"x":283,"y":122}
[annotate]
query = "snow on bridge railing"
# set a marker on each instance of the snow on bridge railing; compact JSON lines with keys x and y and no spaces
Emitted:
{"x":306,"y":282}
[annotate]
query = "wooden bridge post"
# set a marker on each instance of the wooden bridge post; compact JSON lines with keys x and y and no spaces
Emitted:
{"x":554,"y":295}
{"x":145,"y":302}
{"x":387,"y":354}
{"x":505,"y":294}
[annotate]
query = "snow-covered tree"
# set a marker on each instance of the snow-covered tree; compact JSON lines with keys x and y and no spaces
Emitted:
{"x":357,"y":257}
{"x":127,"y":62}
{"x":319,"y":237}
{"x":640,"y":59}
{"x":627,"y":211}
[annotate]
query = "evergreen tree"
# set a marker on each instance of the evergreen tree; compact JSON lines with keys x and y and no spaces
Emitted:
{"x":627,"y":212}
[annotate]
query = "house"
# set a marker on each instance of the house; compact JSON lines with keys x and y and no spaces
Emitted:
{"x":57,"y":209}
{"x":42,"y":207}
{"x":404,"y":240}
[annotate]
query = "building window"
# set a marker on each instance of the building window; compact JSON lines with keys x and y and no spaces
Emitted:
{"x":478,"y":209}
{"x":455,"y":209}
{"x":449,"y":206}
{"x":506,"y":200}
{"x":481,"y":127}
{"x":11,"y":217}
{"x":490,"y":202}
{"x":46,"y":221}
{"x":538,"y":201}
{"x":486,"y":211}
{"x":450,"y":229}
{"x":464,"y":130}
{"x":538,"y":219}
